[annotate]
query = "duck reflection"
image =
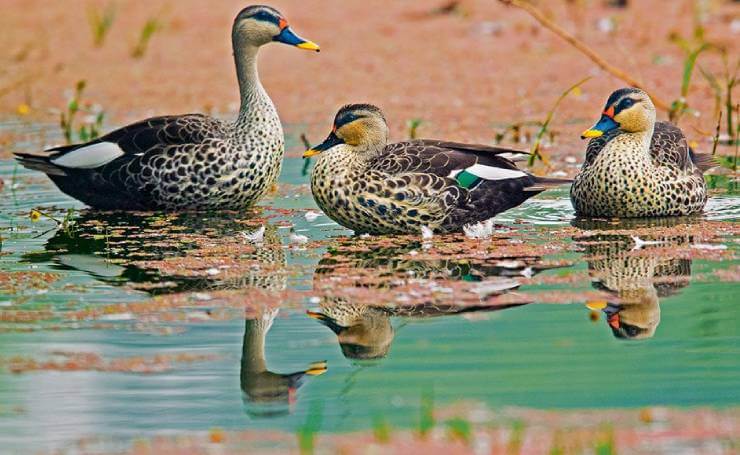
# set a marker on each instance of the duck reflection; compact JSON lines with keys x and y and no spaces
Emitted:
{"x":135,"y":248}
{"x":635,"y":261}
{"x":267,"y":393}
{"x":365,"y":331}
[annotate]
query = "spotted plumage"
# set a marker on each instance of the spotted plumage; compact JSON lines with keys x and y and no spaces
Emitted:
{"x":187,"y":161}
{"x":370,"y":186}
{"x":637,"y":271}
{"x":637,"y":167}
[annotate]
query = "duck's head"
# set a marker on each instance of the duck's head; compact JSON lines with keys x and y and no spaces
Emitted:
{"x":361,"y":127}
{"x":367,"y":337}
{"x":627,"y":108}
{"x":257,"y":25}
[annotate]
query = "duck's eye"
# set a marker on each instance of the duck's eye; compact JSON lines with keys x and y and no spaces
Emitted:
{"x":626,"y":104}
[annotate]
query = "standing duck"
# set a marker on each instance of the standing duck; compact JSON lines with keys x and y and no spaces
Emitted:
{"x":191,"y":161}
{"x":367,"y":185}
{"x":637,"y":167}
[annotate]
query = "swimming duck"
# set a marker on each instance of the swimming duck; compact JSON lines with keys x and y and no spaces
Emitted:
{"x":370,"y":186}
{"x":188,"y":161}
{"x":637,"y":167}
{"x":267,"y":393}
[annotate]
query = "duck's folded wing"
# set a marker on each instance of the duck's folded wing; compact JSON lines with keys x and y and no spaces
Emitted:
{"x":151,"y":135}
{"x":670,"y":148}
{"x":464,"y":162}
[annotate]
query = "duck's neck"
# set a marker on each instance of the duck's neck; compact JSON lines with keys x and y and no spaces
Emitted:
{"x":253,"y":346}
{"x":643,"y":139}
{"x":250,"y":88}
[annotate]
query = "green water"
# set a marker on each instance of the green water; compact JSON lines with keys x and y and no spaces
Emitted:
{"x":536,"y":355}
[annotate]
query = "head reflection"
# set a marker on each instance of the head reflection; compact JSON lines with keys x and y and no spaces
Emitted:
{"x":635,"y":261}
{"x":267,"y":393}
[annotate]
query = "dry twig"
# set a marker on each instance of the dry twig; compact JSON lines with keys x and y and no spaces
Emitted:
{"x":590,"y":53}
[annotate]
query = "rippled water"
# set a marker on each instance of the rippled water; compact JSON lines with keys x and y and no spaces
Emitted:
{"x":541,"y":330}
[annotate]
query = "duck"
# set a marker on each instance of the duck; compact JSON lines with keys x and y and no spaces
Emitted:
{"x":636,"y":167}
{"x":191,"y":161}
{"x":367,"y":185}
{"x":636,"y":281}
{"x":265,"y":392}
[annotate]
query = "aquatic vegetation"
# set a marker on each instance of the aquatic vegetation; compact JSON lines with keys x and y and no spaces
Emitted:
{"x":692,"y":48}
{"x":152,"y":26}
{"x":92,"y":123}
{"x":100,"y":19}
{"x":412,"y":127}
{"x":460,"y":428}
{"x":723,"y":89}
{"x":426,"y":413}
{"x":536,"y":149}
{"x":594,"y":56}
{"x":381,"y":429}
{"x":87,"y":361}
{"x":307,"y":432}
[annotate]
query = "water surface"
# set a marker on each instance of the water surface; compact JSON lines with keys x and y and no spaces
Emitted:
{"x":551,"y":313}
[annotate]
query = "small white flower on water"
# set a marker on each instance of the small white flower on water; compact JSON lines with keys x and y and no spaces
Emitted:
{"x":312,"y":215}
{"x":255,"y":236}
{"x":297,"y":238}
{"x":708,"y":246}
{"x":494,"y":286}
{"x":482,"y":230}
{"x":426,"y":233}
{"x":213,"y":271}
{"x":116,"y":317}
{"x":201,"y":296}
{"x":570,"y":159}
{"x":639,"y":243}
{"x":314,"y":300}
{"x":509,"y":264}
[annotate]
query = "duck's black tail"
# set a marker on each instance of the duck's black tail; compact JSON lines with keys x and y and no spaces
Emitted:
{"x":546,"y":183}
{"x":39,"y":163}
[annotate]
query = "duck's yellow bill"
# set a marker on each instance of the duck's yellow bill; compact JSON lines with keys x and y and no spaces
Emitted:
{"x":309,"y":46}
{"x":316,"y":369}
{"x":591,"y":134}
{"x":596,"y":305}
{"x":311,"y":152}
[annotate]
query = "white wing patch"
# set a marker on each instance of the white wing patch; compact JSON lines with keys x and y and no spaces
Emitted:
{"x":90,"y":156}
{"x":490,"y":172}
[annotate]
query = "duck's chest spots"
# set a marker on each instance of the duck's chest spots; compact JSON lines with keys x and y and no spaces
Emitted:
{"x":624,"y":182}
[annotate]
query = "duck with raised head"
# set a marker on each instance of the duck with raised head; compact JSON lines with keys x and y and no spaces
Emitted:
{"x":186,"y":162}
{"x":636,"y":167}
{"x":370,"y":186}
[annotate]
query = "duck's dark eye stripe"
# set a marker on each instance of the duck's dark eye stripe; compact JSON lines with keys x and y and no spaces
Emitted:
{"x":346,"y":118}
{"x":265,"y":16}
